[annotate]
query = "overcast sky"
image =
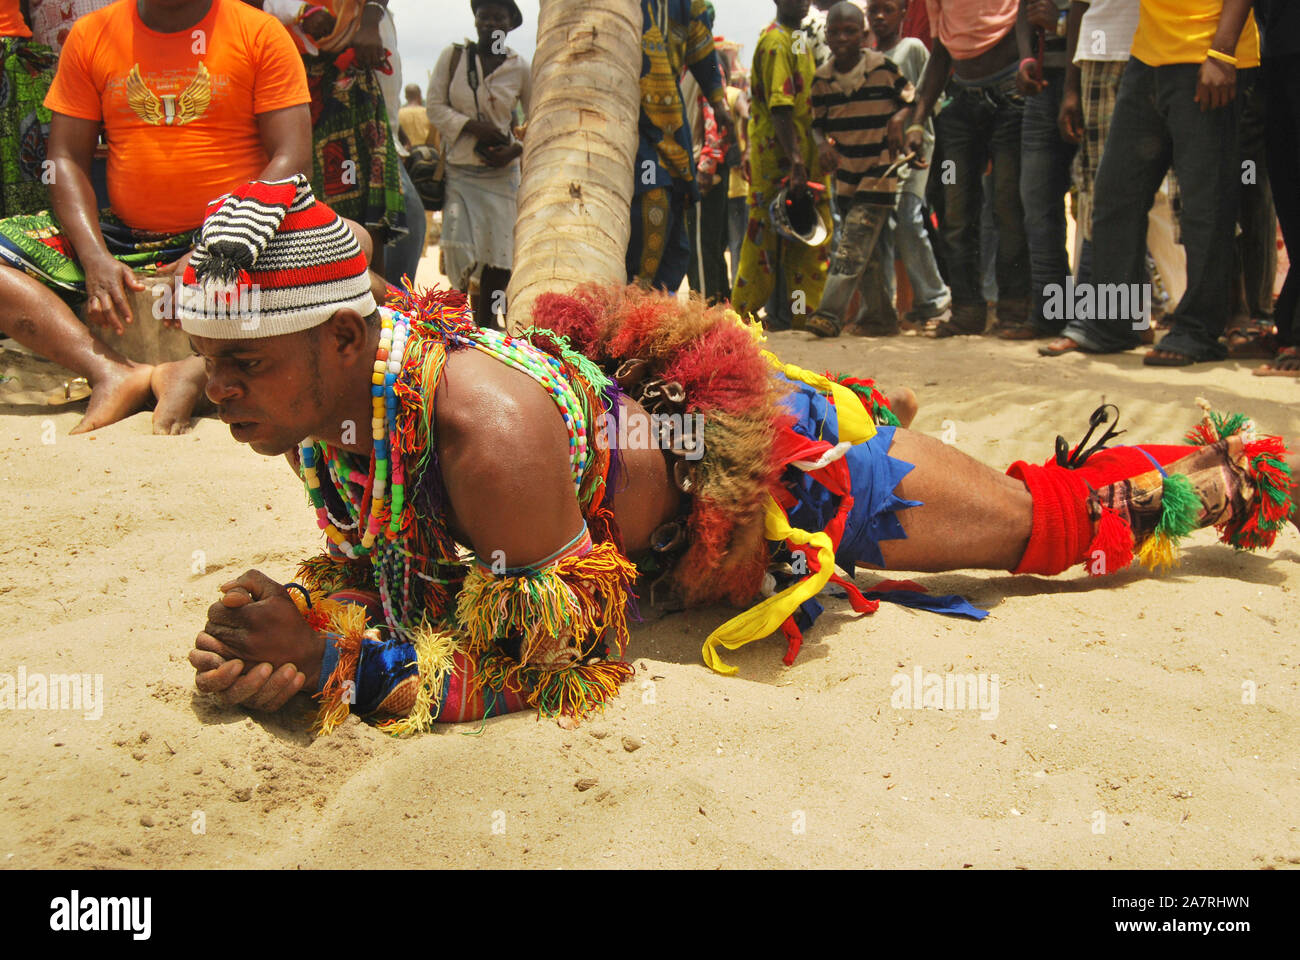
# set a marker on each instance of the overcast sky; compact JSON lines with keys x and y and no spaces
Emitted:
{"x":425,"y":27}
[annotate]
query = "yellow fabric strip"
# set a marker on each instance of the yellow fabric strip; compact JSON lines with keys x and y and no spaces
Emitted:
{"x":855,"y":423}
{"x":766,"y":617}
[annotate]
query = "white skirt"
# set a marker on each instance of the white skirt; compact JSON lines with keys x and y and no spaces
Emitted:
{"x":478,"y":220}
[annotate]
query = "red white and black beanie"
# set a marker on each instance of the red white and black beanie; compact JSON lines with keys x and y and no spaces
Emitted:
{"x":271,"y":260}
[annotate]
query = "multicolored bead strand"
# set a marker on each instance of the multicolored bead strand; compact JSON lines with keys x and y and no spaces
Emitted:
{"x":375,"y":486}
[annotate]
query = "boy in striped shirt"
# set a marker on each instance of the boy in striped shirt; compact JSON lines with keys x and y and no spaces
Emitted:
{"x":860,"y":103}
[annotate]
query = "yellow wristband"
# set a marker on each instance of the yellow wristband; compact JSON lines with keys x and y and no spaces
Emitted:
{"x":915,"y":126}
{"x":1222,"y":57}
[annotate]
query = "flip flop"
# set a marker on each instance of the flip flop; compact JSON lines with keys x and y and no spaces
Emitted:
{"x":1177,"y":360}
{"x":1012,"y":330}
{"x":1268,"y":370}
{"x":1252,"y":340}
{"x":948,"y":328}
{"x":872,"y":330}
{"x":822,"y":325}
{"x":1047,"y":350}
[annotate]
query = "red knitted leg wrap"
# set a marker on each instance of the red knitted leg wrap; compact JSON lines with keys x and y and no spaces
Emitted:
{"x":1063,"y":531}
{"x":1061,"y":528}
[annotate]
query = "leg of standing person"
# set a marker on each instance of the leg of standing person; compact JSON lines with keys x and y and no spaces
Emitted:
{"x":1045,"y":160}
{"x":694,"y":236}
{"x":404,"y":254}
{"x":713,"y":237}
{"x":965,"y":156}
{"x":759,"y":255}
{"x":861,"y":224}
{"x":1280,"y":78}
{"x":1255,"y":249}
{"x":1013,"y":268}
{"x":877,"y":286}
{"x":930,"y":295}
{"x":677,"y":246}
{"x":490,"y":301}
{"x":804,"y":269}
{"x":1137,"y":155}
{"x":645,"y":248}
{"x":1205,"y":161}
{"x":737,"y":218}
{"x":988,"y":241}
{"x":934,"y":203}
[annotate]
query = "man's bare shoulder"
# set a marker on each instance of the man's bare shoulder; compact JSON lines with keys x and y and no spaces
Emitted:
{"x":484,"y":406}
{"x":503,"y":451}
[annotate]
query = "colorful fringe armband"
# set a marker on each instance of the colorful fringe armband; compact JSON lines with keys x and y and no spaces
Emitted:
{"x":561,"y":614}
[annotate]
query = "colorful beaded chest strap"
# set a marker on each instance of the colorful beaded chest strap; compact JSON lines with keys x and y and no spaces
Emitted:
{"x":521,"y":355}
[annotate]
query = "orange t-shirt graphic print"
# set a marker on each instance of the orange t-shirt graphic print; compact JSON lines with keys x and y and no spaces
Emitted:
{"x":179,"y":109}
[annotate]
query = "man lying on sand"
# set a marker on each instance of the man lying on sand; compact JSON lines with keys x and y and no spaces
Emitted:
{"x":490,"y":501}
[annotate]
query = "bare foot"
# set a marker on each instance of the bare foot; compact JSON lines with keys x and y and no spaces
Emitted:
{"x":1058,"y":346}
{"x":115,"y":395}
{"x":179,"y":389}
{"x":903,"y":402}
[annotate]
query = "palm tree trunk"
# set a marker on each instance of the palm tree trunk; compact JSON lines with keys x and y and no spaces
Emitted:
{"x":576,"y":193}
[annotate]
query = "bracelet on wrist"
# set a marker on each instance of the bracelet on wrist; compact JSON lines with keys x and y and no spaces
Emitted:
{"x":1222,"y":57}
{"x":914,"y":127}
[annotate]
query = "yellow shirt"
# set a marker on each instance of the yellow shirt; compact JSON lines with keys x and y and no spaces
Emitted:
{"x":1181,"y":31}
{"x":414,"y":121}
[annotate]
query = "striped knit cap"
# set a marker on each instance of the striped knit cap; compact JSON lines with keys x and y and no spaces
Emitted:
{"x":271,"y":260}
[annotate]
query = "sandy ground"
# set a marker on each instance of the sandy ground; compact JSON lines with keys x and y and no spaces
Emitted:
{"x":1121,"y":737}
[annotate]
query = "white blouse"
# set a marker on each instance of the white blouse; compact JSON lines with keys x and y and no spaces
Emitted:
{"x":451,"y":106}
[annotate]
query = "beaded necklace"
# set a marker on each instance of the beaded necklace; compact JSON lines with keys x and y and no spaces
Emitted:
{"x":388,"y":364}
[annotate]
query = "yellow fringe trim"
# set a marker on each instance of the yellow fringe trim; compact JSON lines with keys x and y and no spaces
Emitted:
{"x":435,"y":658}
{"x":854,"y":419}
{"x":348,"y":621}
{"x":1158,"y":552}
{"x":765,"y":618}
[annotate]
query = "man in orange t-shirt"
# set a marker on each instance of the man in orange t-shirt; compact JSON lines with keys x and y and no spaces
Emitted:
{"x":195,"y":97}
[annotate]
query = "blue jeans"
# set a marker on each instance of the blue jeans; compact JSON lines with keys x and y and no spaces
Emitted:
{"x":988,"y":242}
{"x":1157,"y":123}
{"x":1044,"y":181}
{"x":403,"y":257}
{"x":859,"y":262}
{"x":982,"y":123}
{"x":906,"y":233}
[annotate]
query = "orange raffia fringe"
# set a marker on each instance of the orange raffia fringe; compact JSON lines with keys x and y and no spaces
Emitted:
{"x":347,"y":621}
{"x":578,"y":598}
